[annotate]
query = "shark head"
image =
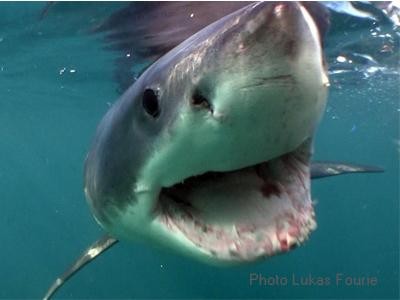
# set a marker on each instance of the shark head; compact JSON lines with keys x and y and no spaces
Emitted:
{"x":208,"y":151}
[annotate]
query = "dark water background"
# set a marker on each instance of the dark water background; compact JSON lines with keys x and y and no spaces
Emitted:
{"x":56,"y":82}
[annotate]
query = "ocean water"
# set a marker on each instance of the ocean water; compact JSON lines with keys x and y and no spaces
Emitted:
{"x":56,"y":82}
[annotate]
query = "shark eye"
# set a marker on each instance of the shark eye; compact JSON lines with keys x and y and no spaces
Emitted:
{"x":199,"y":100}
{"x":150,"y":103}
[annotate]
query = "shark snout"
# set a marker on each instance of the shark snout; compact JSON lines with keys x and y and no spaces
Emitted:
{"x":279,"y":26}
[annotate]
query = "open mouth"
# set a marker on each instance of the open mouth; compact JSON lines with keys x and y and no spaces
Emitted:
{"x":245,"y":214}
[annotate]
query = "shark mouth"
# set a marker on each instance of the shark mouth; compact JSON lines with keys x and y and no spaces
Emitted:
{"x":245,"y":214}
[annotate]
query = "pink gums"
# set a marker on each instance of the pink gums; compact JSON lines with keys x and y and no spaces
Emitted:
{"x":289,"y":220}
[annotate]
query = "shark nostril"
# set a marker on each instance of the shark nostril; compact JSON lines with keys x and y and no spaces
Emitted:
{"x":199,"y":100}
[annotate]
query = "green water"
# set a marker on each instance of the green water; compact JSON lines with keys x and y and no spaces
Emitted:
{"x":56,"y":82}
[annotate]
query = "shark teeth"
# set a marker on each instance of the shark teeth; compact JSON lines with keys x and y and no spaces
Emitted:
{"x":232,"y":217}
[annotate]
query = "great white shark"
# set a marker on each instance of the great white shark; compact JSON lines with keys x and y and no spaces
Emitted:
{"x":208,"y":151}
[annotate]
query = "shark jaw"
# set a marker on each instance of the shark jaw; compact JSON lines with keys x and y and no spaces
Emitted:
{"x":229,"y":217}
{"x":245,"y":214}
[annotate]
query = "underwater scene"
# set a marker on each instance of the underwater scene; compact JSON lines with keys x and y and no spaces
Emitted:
{"x":233,"y":149}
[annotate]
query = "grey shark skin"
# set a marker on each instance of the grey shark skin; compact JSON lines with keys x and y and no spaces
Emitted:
{"x":207,"y":153}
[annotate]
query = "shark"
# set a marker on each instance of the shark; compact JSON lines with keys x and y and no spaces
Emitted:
{"x":208,"y":153}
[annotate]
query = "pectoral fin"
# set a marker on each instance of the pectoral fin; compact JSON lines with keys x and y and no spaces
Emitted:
{"x":94,"y":250}
{"x":320,"y":169}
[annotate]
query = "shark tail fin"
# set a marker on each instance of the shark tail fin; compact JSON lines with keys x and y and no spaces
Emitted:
{"x":320,"y":169}
{"x":93,"y":251}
